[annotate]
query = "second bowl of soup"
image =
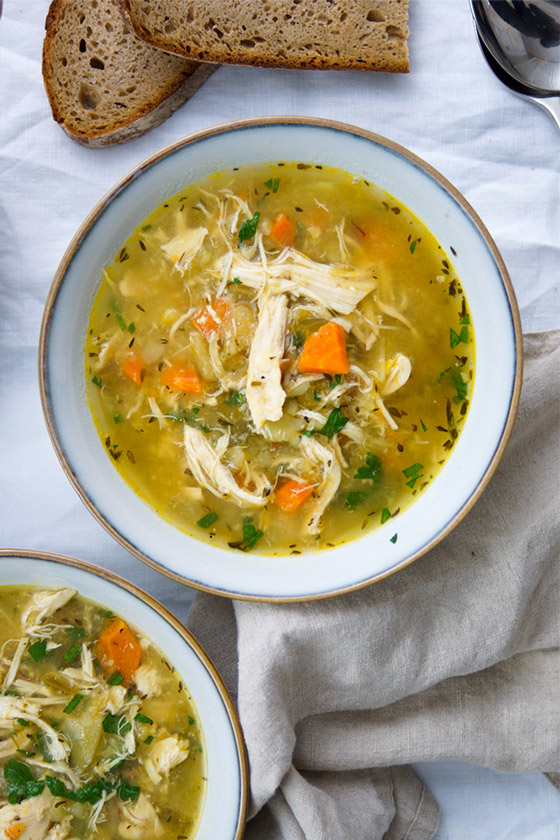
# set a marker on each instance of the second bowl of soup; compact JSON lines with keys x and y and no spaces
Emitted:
{"x":289,"y":376}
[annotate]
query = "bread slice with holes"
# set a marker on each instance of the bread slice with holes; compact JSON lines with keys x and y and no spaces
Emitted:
{"x":295,"y":34}
{"x":104,"y":84}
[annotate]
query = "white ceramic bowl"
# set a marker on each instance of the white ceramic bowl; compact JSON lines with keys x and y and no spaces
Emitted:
{"x":474,"y":457}
{"x":223,"y":814}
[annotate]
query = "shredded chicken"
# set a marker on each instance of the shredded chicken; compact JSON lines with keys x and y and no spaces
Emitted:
{"x":334,"y":286}
{"x":44,"y":602}
{"x":139,"y":820}
{"x":204,"y":462}
{"x":34,"y":813}
{"x":14,"y":708}
{"x":184,"y":247}
{"x":264,"y":393}
{"x":164,"y":756}
{"x":397,"y":374}
{"x":147,"y":680}
{"x":329,"y":466}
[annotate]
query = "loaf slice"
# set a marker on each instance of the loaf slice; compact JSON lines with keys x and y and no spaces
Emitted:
{"x":304,"y":34}
{"x":104,"y":84}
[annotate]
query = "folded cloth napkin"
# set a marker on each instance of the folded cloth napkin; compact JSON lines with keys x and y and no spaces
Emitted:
{"x":455,"y":657}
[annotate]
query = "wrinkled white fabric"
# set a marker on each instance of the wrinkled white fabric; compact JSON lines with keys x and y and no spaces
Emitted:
{"x":455,"y":657}
{"x":500,"y":152}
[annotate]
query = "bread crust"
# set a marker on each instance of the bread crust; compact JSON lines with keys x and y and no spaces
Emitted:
{"x":96,"y":74}
{"x":286,"y":34}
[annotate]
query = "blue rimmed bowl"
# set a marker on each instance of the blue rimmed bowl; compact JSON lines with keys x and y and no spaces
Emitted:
{"x":432,"y":515}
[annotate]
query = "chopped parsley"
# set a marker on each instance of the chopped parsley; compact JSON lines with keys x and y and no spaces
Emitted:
{"x":192,"y":721}
{"x":208,"y":520}
{"x":413,"y":246}
{"x":413,"y":473}
{"x":97,"y":381}
{"x":143,"y":718}
{"x":73,"y":703}
{"x":460,"y":386}
{"x":132,"y":327}
{"x":20,"y":782}
{"x":394,"y":538}
{"x":115,"y":725}
{"x":38,"y":650}
{"x":385,"y":515}
{"x":458,"y":338}
{"x":120,"y":320}
{"x":248,"y":229}
{"x":354,"y":499}
{"x":424,"y":427}
{"x":116,"y":678}
{"x":465,"y":320}
{"x":335,"y":423}
{"x":149,"y":739}
{"x":237,"y":281}
{"x":298,"y":340}
{"x":72,"y":652}
{"x":273,"y":184}
{"x":371,"y":469}
{"x":251,"y":535}
{"x":127,"y":792}
{"x":237,"y":398}
{"x":189,"y":417}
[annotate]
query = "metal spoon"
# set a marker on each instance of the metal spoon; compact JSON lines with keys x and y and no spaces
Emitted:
{"x":520,"y":40}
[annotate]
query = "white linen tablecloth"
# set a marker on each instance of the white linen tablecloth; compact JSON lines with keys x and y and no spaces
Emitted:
{"x":502,"y":153}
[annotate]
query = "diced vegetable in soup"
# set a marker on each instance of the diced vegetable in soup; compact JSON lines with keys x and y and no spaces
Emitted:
{"x":98,"y":735}
{"x":280,"y":358}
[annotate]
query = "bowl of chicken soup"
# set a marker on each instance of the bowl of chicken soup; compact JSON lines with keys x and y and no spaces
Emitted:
{"x":115,"y":722}
{"x":281,"y":376}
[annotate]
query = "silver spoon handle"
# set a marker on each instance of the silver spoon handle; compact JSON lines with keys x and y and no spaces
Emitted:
{"x":552,"y":105}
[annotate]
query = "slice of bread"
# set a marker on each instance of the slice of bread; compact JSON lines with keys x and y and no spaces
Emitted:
{"x":104,"y":84}
{"x":295,"y":34}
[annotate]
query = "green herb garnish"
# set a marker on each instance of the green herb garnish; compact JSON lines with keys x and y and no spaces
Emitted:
{"x":143,"y":718}
{"x":72,"y":652}
{"x":127,"y":792}
{"x":23,"y":722}
{"x":354,"y":499}
{"x":298,"y":340}
{"x":189,"y":417}
{"x":335,"y":423}
{"x":116,"y":678}
{"x":424,"y":427}
{"x":97,"y":381}
{"x":385,"y":515}
{"x":458,"y":338}
{"x":115,"y":725}
{"x":208,"y":520}
{"x":191,"y":720}
{"x":149,"y":739}
{"x":465,"y":320}
{"x":75,"y":632}
{"x":371,"y":469}
{"x":251,"y":536}
{"x":248,"y":229}
{"x":73,"y":703}
{"x":237,"y":398}
{"x":394,"y":538}
{"x":20,"y":782}
{"x":273,"y":184}
{"x":413,"y":246}
{"x":132,"y":327}
{"x":459,"y":385}
{"x":38,"y":650}
{"x":120,"y":320}
{"x":413,"y":473}
{"x":237,"y":281}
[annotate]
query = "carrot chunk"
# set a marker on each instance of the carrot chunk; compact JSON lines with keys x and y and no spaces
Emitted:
{"x":182,"y":378}
{"x":118,"y":650}
{"x":325,"y":351}
{"x":283,"y":230}
{"x":210,"y":317}
{"x":15,"y":830}
{"x":291,"y":494}
{"x":133,"y":367}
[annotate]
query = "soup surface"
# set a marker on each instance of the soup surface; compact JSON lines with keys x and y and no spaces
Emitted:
{"x":99,"y":736}
{"x":281,"y":357}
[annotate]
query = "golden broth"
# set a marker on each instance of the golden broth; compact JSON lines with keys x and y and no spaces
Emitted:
{"x":172,"y":362}
{"x":82,"y":744}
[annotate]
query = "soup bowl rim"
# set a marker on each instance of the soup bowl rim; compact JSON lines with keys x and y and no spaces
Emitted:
{"x":442,"y":531}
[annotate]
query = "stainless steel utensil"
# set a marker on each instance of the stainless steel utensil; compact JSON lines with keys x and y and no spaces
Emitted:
{"x":520,"y":40}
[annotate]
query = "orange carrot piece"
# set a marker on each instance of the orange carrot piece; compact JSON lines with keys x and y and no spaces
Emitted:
{"x":283,"y":230}
{"x":325,"y":351}
{"x":133,"y":367}
{"x":118,"y":650}
{"x":210,"y":317}
{"x":15,"y":830}
{"x":291,"y":494}
{"x":182,"y":378}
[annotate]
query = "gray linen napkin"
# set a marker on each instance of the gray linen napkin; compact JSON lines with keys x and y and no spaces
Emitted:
{"x":455,"y":657}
